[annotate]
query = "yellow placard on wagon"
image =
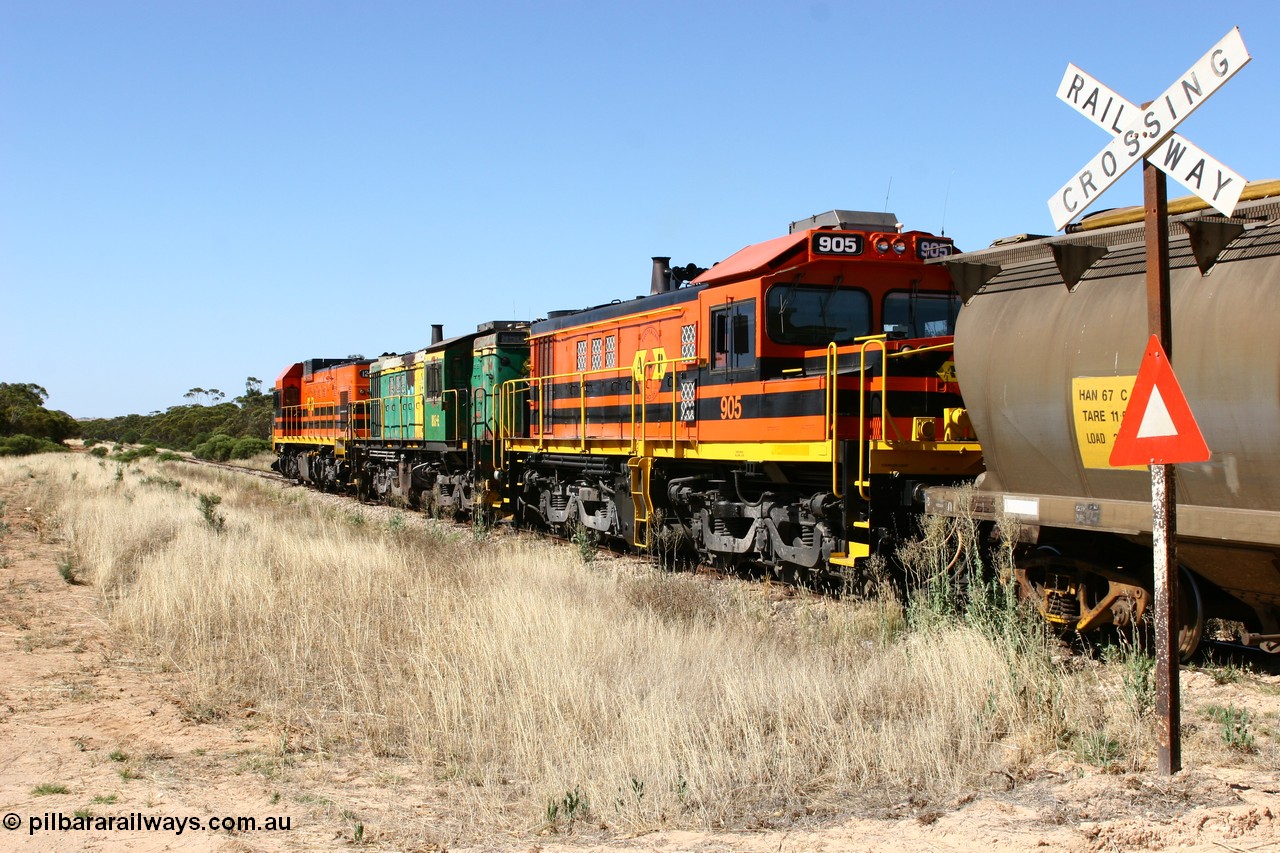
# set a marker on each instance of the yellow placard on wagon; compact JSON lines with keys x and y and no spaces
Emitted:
{"x":1098,"y":404}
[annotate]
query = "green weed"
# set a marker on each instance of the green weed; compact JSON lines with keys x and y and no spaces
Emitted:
{"x":47,"y":788}
{"x":584,"y":539}
{"x":208,"y":510}
{"x":70,"y":573}
{"x":161,"y":483}
{"x":1236,"y":728}
{"x":1100,"y":749}
{"x":573,"y":806}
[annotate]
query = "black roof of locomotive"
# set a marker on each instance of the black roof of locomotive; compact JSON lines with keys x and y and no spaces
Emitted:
{"x":612,"y":310}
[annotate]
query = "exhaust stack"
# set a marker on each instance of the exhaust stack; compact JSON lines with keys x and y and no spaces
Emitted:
{"x":660,"y":282}
{"x":437,"y":333}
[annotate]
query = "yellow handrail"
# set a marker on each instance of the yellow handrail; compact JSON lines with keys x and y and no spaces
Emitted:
{"x":457,"y":413}
{"x":292,"y":422}
{"x":675,"y":391}
{"x":833,"y":359}
{"x":511,"y":389}
{"x":356,"y":407}
{"x":906,"y":353}
{"x":404,"y":425}
{"x":864,"y":444}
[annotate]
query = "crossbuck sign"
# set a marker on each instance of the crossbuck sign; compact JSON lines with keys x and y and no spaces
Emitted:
{"x":1148,"y":133}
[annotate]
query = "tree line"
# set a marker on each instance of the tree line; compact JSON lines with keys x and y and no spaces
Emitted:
{"x":212,"y":430}
{"x":209,"y":426}
{"x":26,"y":426}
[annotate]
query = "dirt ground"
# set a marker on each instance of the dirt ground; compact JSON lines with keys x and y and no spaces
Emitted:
{"x":90,"y":730}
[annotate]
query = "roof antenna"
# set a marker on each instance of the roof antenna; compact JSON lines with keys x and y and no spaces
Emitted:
{"x":946,"y":199}
{"x":886,"y":194}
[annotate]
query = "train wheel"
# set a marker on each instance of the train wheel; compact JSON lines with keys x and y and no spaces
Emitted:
{"x":1190,"y":614}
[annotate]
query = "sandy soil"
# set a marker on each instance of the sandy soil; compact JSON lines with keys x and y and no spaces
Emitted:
{"x":92,"y":729}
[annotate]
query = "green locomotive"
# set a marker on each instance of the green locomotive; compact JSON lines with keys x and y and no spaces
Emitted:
{"x":433,"y":420}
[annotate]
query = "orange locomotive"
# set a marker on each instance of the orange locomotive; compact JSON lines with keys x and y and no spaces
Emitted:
{"x":317,"y":413}
{"x":785,"y":408}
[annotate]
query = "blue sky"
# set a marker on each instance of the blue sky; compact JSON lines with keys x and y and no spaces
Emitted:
{"x":196,"y":192}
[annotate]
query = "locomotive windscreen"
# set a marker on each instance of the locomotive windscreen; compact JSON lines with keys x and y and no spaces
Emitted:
{"x":816,"y":315}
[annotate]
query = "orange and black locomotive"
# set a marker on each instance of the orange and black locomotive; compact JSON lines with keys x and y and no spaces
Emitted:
{"x":782,"y":408}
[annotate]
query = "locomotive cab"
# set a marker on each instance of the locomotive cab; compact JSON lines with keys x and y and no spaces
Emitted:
{"x":835,"y":278}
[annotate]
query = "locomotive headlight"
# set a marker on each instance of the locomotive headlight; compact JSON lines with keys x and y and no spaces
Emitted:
{"x":899,"y":247}
{"x":882,"y":245}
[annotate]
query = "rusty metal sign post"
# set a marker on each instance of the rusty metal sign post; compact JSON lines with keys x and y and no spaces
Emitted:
{"x":1147,"y":134}
{"x":1164,"y":493}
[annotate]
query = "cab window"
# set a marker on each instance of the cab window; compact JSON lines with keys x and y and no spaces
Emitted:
{"x":733,"y":336}
{"x":922,"y":315}
{"x":816,"y":315}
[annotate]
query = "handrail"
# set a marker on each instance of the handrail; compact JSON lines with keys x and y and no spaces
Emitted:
{"x":832,"y":413}
{"x":291,"y":422}
{"x":509,"y":392}
{"x":671,"y":362}
{"x":906,"y":353}
{"x":403,"y":425}
{"x":511,"y":389}
{"x":457,"y":414}
{"x":294,"y":416}
{"x":864,"y":449}
{"x":366,"y":405}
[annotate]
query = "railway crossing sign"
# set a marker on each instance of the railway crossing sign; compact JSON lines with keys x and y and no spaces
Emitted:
{"x":1178,"y":157}
{"x":1139,"y":133}
{"x":1158,"y":426}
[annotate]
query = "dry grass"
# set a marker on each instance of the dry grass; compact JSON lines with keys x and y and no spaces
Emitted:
{"x":257,"y":462}
{"x":545,"y":694}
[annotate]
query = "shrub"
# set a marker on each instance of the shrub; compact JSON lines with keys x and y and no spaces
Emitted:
{"x":136,"y":453}
{"x":217,"y":447}
{"x":1236,"y":727}
{"x":221,"y":447}
{"x":249,"y":446}
{"x":25,"y":445}
{"x":208,"y":510}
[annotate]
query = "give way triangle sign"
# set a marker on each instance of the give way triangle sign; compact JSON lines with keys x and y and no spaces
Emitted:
{"x":1158,"y":427}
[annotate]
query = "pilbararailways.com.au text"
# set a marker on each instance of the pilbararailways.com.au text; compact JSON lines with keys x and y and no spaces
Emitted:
{"x":138,"y":822}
